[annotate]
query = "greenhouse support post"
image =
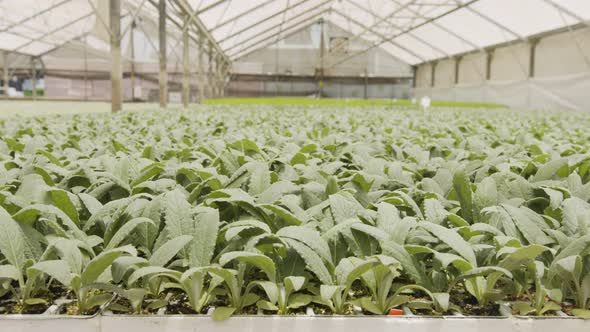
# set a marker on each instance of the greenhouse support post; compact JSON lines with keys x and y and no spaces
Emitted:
{"x":132,"y":47}
{"x":457,"y":68}
{"x":33,"y":78}
{"x":185,"y":65}
{"x":489,"y":59}
{"x":116,"y":69}
{"x":201,"y":68}
{"x":532,"y":57}
{"x":433,"y":74}
{"x":5,"y":69}
{"x":210,"y":90}
{"x":163,"y":78}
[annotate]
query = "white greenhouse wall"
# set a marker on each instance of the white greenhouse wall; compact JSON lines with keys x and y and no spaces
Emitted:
{"x":564,"y":54}
{"x":299,"y":54}
{"x":472,"y":69}
{"x":561,"y":78}
{"x":510,"y":63}
{"x":445,"y":73}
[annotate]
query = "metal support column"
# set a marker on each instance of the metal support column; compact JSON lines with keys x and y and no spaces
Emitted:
{"x":186,"y":89}
{"x":117,"y":69}
{"x":85,"y":69}
{"x":223,"y":79}
{"x":432,"y":74}
{"x":132,"y":46}
{"x":163,"y":79}
{"x":414,"y":76}
{"x":201,"y":68}
{"x":210,"y":88}
{"x":366,"y":90}
{"x":322,"y":58}
{"x":219,"y":75}
{"x":489,"y":59}
{"x":34,"y":78}
{"x":532,"y":57}
{"x":5,"y":69}
{"x":457,"y":68}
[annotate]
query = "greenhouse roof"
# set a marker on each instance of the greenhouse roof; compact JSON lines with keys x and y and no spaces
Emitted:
{"x":414,"y":31}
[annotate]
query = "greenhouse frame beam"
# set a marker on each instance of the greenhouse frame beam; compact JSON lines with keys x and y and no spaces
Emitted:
{"x":211,"y":6}
{"x":375,"y":24}
{"x":380,"y":35}
{"x":57,"y":46}
{"x":187,"y":10}
{"x":134,"y":17}
{"x":377,"y":44}
{"x":117,"y":68}
{"x":58,"y":29}
{"x":179,"y":25}
{"x":566,"y":11}
{"x":195,"y":14}
{"x":100,"y":18}
{"x":37,"y":14}
{"x":251,"y":26}
{"x":257,"y":45}
{"x":496,"y":23}
{"x":278,"y":26}
{"x":445,"y":29}
{"x":240,"y":15}
{"x":376,"y":33}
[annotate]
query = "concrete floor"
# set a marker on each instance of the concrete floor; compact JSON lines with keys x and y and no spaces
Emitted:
{"x":14,"y":108}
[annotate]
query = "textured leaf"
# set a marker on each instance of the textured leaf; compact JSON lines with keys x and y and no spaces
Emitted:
{"x":12,"y":241}
{"x":312,"y":259}
{"x":168,"y":250}
{"x":204,"y":237}
{"x":260,"y":261}
{"x":453,"y":240}
{"x":125,"y":231}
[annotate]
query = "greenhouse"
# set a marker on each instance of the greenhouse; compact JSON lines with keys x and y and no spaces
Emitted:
{"x":294,"y":165}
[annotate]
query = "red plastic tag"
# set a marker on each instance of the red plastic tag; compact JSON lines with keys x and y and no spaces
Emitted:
{"x":395,"y":312}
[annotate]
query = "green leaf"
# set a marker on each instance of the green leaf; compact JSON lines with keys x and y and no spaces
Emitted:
{"x":582,"y":313}
{"x":294,"y":284}
{"x":61,"y":199}
{"x":462,"y":187}
{"x":103,"y":261}
{"x":150,"y":270}
{"x":522,"y":255}
{"x":262,"y":262}
{"x":549,"y":170}
{"x":298,"y":301}
{"x":125,"y":231}
{"x":57,"y":269}
{"x":259,"y":178}
{"x":168,"y":250}
{"x":309,"y":237}
{"x":222,"y":313}
{"x":312,"y":259}
{"x":12,"y":242}
{"x":453,"y":240}
{"x":204,"y":237}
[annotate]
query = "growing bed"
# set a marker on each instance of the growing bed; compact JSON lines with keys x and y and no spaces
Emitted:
{"x":295,"y":217}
